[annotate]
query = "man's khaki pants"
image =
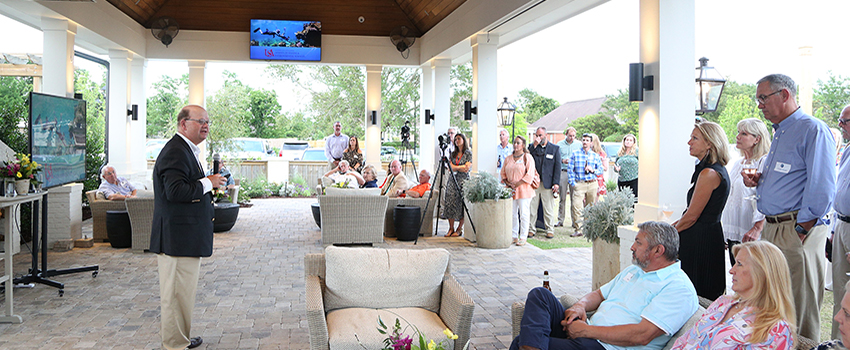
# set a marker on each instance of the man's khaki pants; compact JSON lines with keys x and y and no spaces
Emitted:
{"x":583,"y":192}
{"x":543,"y":195}
{"x":807,"y":263}
{"x":178,"y":281}
{"x":564,"y":201}
{"x":840,"y":266}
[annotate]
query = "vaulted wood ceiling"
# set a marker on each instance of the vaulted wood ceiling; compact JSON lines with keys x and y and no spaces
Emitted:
{"x":338,"y":17}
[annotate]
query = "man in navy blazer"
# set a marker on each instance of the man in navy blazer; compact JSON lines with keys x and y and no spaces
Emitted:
{"x":547,"y":160}
{"x":182,"y":227}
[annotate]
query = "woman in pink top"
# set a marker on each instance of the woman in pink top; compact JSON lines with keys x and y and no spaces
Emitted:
{"x":760,"y":315}
{"x":517,"y":173}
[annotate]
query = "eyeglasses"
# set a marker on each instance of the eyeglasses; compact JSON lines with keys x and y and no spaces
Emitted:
{"x":200,"y":121}
{"x":760,"y":99}
{"x":843,"y":121}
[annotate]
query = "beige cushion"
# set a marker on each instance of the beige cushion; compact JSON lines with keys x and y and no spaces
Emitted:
{"x":99,"y":196}
{"x":384,"y":278}
{"x":345,"y":323}
{"x":333,"y":191}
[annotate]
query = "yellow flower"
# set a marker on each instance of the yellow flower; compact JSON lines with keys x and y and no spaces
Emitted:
{"x":432,"y":345}
{"x":449,"y":334}
{"x":19,"y":174}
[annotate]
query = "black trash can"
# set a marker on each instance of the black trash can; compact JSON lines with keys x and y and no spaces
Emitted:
{"x":225,"y":216}
{"x":118,"y":229}
{"x":406,"y":220}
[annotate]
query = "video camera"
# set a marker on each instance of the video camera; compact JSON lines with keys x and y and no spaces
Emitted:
{"x":444,"y":141}
{"x":405,"y":131}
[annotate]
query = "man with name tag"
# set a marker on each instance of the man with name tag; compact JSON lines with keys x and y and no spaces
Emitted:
{"x":841,"y":240}
{"x":795,"y":189}
{"x":641,"y":308}
{"x":547,"y":160}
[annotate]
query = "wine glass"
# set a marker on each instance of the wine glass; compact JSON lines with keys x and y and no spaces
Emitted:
{"x":749,"y":169}
{"x":665,"y":211}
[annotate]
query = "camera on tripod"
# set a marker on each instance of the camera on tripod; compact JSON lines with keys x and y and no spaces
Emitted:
{"x":444,"y":141}
{"x":405,"y":131}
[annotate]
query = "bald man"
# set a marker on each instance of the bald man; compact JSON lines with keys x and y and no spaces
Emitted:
{"x":396,"y":182}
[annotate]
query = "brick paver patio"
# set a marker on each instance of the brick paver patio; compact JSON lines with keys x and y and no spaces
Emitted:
{"x":251,"y":291}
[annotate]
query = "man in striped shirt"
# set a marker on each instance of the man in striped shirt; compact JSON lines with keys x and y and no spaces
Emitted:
{"x":584,"y":166}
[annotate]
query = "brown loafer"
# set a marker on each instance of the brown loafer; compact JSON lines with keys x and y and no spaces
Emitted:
{"x":195,"y":342}
{"x":530,"y":234}
{"x":550,"y":235}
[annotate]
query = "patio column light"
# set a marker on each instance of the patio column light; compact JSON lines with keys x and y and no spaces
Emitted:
{"x":506,"y":112}
{"x":709,"y":87}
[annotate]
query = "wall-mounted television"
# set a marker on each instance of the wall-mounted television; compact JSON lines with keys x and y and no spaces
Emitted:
{"x":286,"y":40}
{"x":57,"y":138}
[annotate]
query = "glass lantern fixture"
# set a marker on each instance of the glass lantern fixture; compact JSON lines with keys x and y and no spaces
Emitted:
{"x":506,"y":112}
{"x":709,"y":87}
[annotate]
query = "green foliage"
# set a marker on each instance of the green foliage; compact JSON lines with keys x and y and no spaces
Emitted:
{"x":461,"y":83}
{"x":732,"y":91}
{"x":483,"y":186}
{"x":830,"y":97}
{"x":296,"y":187}
{"x":228,"y":109}
{"x":610,"y":185}
{"x":400,"y":100}
{"x":602,"y":218}
{"x":598,"y":124}
{"x":258,"y":188}
{"x":737,"y":108}
{"x":162,"y":107}
{"x":95,"y":96}
{"x":533,"y":106}
{"x":296,"y":125}
{"x":13,"y":111}
{"x":264,"y":110}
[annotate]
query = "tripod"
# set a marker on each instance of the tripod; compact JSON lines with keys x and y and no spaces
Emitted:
{"x":444,"y":164}
{"x":407,"y":156}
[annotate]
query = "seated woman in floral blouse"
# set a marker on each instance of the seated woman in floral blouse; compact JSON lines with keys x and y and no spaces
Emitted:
{"x":842,"y":321}
{"x":759,"y":315}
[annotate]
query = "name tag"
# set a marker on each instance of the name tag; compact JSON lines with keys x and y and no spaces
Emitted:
{"x":782,"y":167}
{"x":628,"y":277}
{"x":519,"y":162}
{"x":550,"y":156}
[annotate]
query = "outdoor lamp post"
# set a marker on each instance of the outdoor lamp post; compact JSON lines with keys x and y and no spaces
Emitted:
{"x":709,"y":87}
{"x":506,"y":112}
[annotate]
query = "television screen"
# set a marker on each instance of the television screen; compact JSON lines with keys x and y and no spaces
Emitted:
{"x":57,"y":138}
{"x":286,"y":40}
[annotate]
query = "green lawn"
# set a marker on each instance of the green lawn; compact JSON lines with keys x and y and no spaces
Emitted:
{"x":826,"y":316}
{"x":562,"y":240}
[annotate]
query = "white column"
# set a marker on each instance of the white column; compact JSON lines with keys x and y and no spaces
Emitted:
{"x":442,"y":69}
{"x":197,"y":96}
{"x":138,"y":131}
{"x":426,"y":138}
{"x":484,"y":71}
{"x":667,"y":51}
{"x":58,"y":61}
{"x":118,"y":127}
{"x":373,"y":103}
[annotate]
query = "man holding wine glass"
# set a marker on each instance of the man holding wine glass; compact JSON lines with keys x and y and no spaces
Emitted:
{"x":795,"y":189}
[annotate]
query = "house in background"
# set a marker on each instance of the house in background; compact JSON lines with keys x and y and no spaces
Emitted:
{"x":559,"y":119}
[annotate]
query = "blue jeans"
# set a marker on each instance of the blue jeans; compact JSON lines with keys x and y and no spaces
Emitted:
{"x":541,"y":325}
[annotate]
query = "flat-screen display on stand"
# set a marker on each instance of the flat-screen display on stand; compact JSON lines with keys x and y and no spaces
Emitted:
{"x":286,"y":40}
{"x":57,"y":138}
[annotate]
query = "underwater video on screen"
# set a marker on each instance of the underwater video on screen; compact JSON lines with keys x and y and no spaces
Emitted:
{"x":286,"y":40}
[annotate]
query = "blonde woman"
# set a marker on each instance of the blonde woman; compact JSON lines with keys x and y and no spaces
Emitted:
{"x":741,"y":222}
{"x":597,"y":148}
{"x":370,"y":177}
{"x":759,"y":315}
{"x":700,"y":233}
{"x":626,"y":164}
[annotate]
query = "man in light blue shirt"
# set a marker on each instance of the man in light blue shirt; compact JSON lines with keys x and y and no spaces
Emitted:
{"x":335,"y":145}
{"x":567,"y":146}
{"x":795,"y":189}
{"x":503,"y":149}
{"x":641,"y":308}
{"x":841,"y":240}
{"x":114,"y":187}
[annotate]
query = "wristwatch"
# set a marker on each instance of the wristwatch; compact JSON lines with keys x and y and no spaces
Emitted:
{"x":801,"y":230}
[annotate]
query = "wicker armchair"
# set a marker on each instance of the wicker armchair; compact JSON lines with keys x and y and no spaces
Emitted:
{"x":352,"y":219}
{"x":427,"y":228}
{"x":518,"y":308}
{"x":99,"y":206}
{"x":347,"y":289}
{"x":140,"y":210}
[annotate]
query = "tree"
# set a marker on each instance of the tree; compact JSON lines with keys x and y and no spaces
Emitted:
{"x":13,"y":111}
{"x":461,"y":84}
{"x":95,"y":96}
{"x":619,"y":108}
{"x":296,"y":125}
{"x":228,"y":109}
{"x":172,"y":94}
{"x":401,"y":100}
{"x":737,"y":108}
{"x":830,"y":98}
{"x":732,"y":91}
{"x":264,"y":114}
{"x":533,"y":106}
{"x":599,"y":124}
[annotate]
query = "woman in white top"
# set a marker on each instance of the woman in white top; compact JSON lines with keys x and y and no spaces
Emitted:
{"x":741,"y":221}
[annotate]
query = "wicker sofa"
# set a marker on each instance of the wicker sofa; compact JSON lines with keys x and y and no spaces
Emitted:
{"x":427,"y":228}
{"x":347,"y":289}
{"x":140,"y":211}
{"x":352,"y":216}
{"x":99,"y":205}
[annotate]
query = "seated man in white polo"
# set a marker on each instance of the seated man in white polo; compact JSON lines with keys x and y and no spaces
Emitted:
{"x":114,"y":187}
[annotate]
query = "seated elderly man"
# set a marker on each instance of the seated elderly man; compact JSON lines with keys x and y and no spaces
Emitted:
{"x":343,"y":173}
{"x":396,"y":182}
{"x":642,"y":307}
{"x":114,"y":187}
{"x":419,"y":190}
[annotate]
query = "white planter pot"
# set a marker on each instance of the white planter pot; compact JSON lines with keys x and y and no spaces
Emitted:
{"x":606,"y":262}
{"x":492,"y":222}
{"x":22,"y":187}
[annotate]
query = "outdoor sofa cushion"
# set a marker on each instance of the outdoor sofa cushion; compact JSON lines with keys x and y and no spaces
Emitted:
{"x":333,"y":191}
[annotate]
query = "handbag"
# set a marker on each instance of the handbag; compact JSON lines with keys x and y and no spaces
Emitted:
{"x":535,"y":182}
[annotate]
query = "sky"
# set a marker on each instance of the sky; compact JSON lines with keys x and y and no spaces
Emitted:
{"x":587,"y":56}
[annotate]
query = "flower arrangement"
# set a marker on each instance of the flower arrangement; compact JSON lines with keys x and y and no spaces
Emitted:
{"x":22,"y":168}
{"x":221,"y":195}
{"x":397,"y":340}
{"x":342,"y":184}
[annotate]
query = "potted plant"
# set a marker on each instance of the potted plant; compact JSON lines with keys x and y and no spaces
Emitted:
{"x":601,"y":220}
{"x":23,"y":171}
{"x":489,"y":203}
